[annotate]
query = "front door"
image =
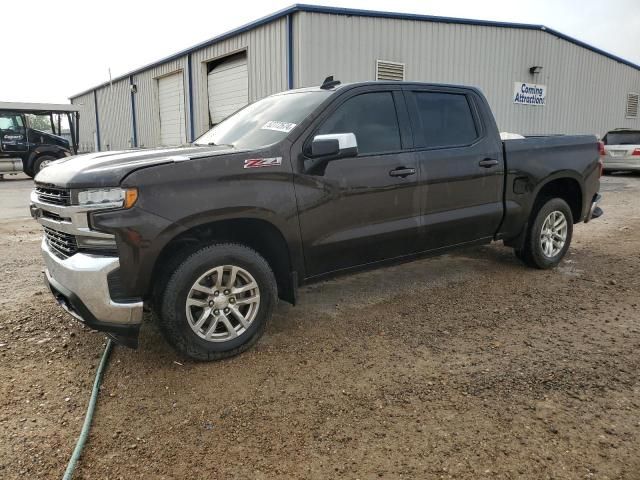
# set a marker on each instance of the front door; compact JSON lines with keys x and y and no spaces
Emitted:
{"x":365,"y":208}
{"x":13,"y":135}
{"x":461,"y":167}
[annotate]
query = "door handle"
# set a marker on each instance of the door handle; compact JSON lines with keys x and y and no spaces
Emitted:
{"x":402,"y":172}
{"x":488,"y":162}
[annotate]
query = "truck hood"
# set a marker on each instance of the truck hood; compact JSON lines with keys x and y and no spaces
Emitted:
{"x":52,"y":139}
{"x":107,"y":169}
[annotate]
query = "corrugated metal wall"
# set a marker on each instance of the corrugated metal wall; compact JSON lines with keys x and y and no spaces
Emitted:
{"x":586,"y":91}
{"x":266,"y":48}
{"x":87,"y":121}
{"x":114,"y":116}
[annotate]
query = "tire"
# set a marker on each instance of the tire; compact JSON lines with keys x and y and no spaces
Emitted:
{"x":38,"y":164}
{"x":198,"y":278}
{"x":556,"y":239}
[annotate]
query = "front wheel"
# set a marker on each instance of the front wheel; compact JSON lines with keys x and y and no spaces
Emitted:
{"x":216,"y":304}
{"x":549,"y":235}
{"x":42,"y":162}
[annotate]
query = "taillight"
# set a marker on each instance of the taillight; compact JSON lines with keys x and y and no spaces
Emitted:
{"x":601,"y":148}
{"x":636,"y":152}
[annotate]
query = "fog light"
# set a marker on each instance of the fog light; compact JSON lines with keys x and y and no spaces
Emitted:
{"x":97,"y":243}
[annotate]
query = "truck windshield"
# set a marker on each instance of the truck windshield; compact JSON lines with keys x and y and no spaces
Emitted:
{"x":631,"y":137}
{"x":264,"y":122}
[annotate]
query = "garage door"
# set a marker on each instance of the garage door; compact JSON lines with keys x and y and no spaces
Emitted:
{"x":172,"y":117}
{"x":228,"y":85}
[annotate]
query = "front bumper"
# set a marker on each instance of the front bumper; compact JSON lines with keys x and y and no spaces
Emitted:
{"x":80,"y":285}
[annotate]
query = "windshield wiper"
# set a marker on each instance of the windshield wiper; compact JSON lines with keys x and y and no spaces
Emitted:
{"x":213,"y":144}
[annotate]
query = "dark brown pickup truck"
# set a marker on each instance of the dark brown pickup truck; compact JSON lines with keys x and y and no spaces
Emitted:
{"x":291,"y":189}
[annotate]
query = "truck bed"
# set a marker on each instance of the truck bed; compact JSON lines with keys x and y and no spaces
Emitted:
{"x":533,"y":161}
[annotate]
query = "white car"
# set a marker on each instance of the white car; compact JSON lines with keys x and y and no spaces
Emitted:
{"x":621,"y":150}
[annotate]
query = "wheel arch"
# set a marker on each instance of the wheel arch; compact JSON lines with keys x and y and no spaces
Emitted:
{"x":564,"y":185}
{"x":258,"y":234}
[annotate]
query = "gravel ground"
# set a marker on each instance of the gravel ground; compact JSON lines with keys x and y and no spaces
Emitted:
{"x":466,"y":366}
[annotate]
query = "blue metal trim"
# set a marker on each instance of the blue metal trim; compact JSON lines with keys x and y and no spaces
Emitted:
{"x":192,"y":129}
{"x":290,"y":51}
{"x":133,"y":114}
{"x":95,"y":103}
{"x":363,"y":13}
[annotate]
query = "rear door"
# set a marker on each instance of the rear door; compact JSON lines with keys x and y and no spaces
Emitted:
{"x":461,"y":166}
{"x":365,"y":208}
{"x":13,"y":134}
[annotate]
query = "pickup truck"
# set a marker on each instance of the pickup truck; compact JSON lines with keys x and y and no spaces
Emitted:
{"x":294,"y":188}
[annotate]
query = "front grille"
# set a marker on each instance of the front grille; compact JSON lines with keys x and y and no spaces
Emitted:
{"x":63,"y":244}
{"x":55,"y":196}
{"x":54,"y":216}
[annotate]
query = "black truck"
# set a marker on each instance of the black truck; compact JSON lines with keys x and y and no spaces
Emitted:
{"x":291,"y":189}
{"x":31,"y":135}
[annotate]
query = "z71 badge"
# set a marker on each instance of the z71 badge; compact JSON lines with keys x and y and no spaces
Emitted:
{"x":262,"y":162}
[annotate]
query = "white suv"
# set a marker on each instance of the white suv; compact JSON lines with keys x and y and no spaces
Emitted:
{"x":621,"y":150}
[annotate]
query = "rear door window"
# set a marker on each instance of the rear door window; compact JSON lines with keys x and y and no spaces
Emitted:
{"x":372,"y":118}
{"x":444,"y":120}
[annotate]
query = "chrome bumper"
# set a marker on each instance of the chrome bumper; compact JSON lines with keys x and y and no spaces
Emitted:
{"x":80,"y":285}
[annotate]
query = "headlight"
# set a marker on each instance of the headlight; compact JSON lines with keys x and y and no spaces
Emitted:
{"x":108,"y":197}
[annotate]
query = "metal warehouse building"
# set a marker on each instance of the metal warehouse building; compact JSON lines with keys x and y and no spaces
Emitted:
{"x":537,"y":80}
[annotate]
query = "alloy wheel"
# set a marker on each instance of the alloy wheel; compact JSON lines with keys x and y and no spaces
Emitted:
{"x":553,"y":235}
{"x":222,"y":303}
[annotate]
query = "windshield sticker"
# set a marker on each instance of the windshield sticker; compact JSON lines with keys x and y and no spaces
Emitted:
{"x":262,"y":162}
{"x":285,"y":127}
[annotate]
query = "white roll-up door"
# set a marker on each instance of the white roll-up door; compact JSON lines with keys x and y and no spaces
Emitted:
{"x":228,"y":86}
{"x":172,"y":112}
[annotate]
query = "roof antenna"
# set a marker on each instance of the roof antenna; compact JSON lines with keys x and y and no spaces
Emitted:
{"x":329,"y":82}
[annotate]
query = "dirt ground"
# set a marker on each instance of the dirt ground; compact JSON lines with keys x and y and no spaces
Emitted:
{"x":467,"y":366}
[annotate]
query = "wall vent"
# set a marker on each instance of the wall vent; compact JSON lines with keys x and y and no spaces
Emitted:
{"x":632,"y":105}
{"x":389,"y":70}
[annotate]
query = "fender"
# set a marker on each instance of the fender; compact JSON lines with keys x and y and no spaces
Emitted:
{"x":556,"y":176}
{"x":518,"y":240}
{"x":54,"y":150}
{"x":142,"y":237}
{"x":287,"y":230}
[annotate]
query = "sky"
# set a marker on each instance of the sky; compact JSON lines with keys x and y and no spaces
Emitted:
{"x":68,"y":46}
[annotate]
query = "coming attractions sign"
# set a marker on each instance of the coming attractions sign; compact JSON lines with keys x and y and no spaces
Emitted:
{"x":529,"y":94}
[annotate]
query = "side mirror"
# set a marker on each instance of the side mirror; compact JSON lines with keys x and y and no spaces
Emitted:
{"x":334,"y":145}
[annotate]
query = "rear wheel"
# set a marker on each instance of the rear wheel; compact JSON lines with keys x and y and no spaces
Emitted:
{"x":549,"y":235}
{"x":217,"y":302}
